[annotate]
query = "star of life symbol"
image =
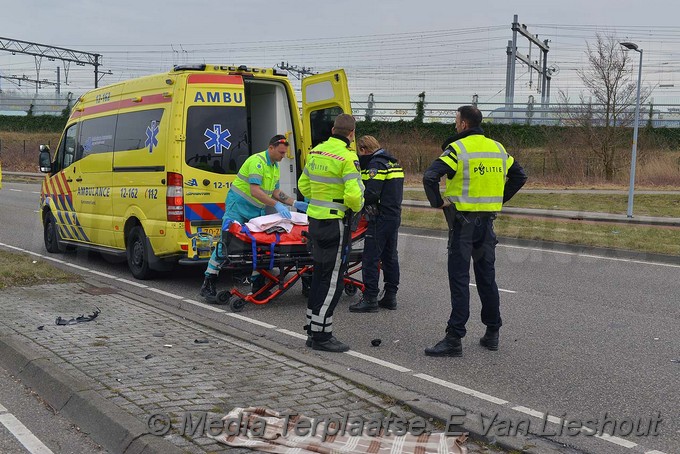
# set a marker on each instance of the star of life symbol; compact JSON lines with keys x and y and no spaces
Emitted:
{"x":151,"y":136}
{"x":217,"y":139}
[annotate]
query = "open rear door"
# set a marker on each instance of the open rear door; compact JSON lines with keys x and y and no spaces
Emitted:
{"x":324,"y":97}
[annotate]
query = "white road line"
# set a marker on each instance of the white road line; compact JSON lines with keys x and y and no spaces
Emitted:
{"x":15,"y":190}
{"x":2,"y":409}
{"x":537,"y":414}
{"x":203,"y":305}
{"x":291,"y":333}
{"x":99,"y":273}
{"x":25,"y":436}
{"x":372,"y":359}
{"x":78,"y":267}
{"x":251,"y":320}
{"x":462,"y":389}
{"x":500,"y":289}
{"x":654,"y":452}
{"x":164,"y":293}
{"x":616,"y":440}
{"x":136,"y":284}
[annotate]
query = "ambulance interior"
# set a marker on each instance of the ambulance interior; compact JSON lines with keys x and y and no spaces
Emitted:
{"x":269,"y":113}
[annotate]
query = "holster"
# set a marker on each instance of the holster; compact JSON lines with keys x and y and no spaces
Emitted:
{"x":452,"y":215}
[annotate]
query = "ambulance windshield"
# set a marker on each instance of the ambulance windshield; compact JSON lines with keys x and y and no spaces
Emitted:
{"x":217,"y":138}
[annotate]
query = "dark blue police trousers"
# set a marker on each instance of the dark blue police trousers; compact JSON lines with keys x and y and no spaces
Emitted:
{"x":474,"y":240}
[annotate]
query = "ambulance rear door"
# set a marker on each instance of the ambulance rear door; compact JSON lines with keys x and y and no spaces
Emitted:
{"x":324,"y":97}
{"x":217,"y":143}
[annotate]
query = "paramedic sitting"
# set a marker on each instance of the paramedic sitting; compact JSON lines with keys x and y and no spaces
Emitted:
{"x":256,"y":185}
{"x":332,"y":181}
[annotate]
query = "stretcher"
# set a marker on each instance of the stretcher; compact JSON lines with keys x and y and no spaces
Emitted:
{"x":281,"y":258}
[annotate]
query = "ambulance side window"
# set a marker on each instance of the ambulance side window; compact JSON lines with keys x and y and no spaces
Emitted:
{"x":137,"y":130}
{"x":321,"y":123}
{"x":96,"y":136}
{"x":67,"y":148}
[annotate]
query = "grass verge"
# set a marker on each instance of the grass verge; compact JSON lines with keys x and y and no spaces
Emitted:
{"x":657,"y":240}
{"x":21,"y":270}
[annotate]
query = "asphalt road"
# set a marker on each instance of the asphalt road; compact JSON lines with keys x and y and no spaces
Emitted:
{"x":27,"y":425}
{"x":584,"y":337}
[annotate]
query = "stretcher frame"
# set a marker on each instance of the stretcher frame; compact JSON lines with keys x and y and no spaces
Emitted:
{"x":292,"y":260}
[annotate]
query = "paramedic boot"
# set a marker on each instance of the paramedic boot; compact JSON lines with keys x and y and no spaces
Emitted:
{"x":449,"y":346}
{"x":208,"y":290}
{"x":365,"y":304}
{"x":256,"y":283}
{"x":388,"y":301}
{"x":490,"y":340}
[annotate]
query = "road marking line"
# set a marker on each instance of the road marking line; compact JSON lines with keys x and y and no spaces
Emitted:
{"x":291,"y":333}
{"x":78,"y":267}
{"x":136,"y":284}
{"x":15,"y":190}
{"x":2,"y":409}
{"x":500,"y":289}
{"x":537,"y":414}
{"x":25,"y":436}
{"x":99,"y":273}
{"x":206,"y":306}
{"x":616,"y":440}
{"x":654,"y":452}
{"x":251,"y":320}
{"x":462,"y":389}
{"x":164,"y":293}
{"x":378,"y":361}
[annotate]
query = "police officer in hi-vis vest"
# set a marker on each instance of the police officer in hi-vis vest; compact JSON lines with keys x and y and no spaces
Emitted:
{"x":480,"y":178}
{"x":256,"y":185}
{"x":331,"y":180}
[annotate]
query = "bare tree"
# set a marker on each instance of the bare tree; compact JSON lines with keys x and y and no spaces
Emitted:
{"x":608,"y":107}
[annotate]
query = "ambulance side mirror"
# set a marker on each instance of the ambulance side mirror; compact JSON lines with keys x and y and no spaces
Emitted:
{"x":45,"y":160}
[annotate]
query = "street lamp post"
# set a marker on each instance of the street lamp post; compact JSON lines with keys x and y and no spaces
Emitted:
{"x":629,"y":212}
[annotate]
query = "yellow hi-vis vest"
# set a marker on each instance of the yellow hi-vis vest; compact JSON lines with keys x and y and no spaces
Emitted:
{"x":332,"y":181}
{"x":257,"y":169}
{"x":481,"y":166}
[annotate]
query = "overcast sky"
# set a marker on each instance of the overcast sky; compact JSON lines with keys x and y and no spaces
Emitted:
{"x":394,"y":49}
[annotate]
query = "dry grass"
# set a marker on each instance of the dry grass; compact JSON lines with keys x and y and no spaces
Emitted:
{"x":19,"y":150}
{"x":23,"y":270}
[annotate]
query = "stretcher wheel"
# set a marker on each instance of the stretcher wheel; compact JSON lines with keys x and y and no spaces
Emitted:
{"x":222,"y":298}
{"x":350,"y":290}
{"x":237,"y":304}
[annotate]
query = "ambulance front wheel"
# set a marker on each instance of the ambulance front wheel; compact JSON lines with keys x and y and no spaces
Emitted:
{"x":52,"y":243}
{"x":138,"y":254}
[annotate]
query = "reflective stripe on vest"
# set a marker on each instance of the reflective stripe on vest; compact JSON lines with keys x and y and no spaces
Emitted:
{"x":326,"y":204}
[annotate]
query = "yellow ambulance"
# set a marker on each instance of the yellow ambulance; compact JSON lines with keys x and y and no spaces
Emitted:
{"x":143,"y":166}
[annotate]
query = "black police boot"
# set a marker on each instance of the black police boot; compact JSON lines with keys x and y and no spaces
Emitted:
{"x":256,"y":283}
{"x":388,"y":301}
{"x":490,"y":340}
{"x":329,"y":345}
{"x":365,"y":305}
{"x":449,"y":346}
{"x":208,"y":290}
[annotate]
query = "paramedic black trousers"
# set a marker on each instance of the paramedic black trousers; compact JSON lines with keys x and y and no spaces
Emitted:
{"x":380,"y":244}
{"x":472,"y":237}
{"x":329,"y":241}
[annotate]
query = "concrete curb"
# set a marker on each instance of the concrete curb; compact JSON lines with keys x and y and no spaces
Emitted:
{"x":107,"y":424}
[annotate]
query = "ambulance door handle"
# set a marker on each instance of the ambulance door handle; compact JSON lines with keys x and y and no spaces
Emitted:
{"x":79,"y":179}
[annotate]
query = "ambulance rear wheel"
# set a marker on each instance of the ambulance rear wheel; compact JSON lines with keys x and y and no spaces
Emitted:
{"x":237,"y":304}
{"x":138,"y":254}
{"x":52,"y":243}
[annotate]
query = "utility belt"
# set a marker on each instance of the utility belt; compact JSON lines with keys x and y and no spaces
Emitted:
{"x":454,"y":216}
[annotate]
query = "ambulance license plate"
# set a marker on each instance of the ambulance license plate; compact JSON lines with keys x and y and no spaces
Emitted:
{"x":214,"y":231}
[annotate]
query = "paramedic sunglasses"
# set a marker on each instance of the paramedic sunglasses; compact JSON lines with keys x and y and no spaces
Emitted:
{"x":281,"y":141}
